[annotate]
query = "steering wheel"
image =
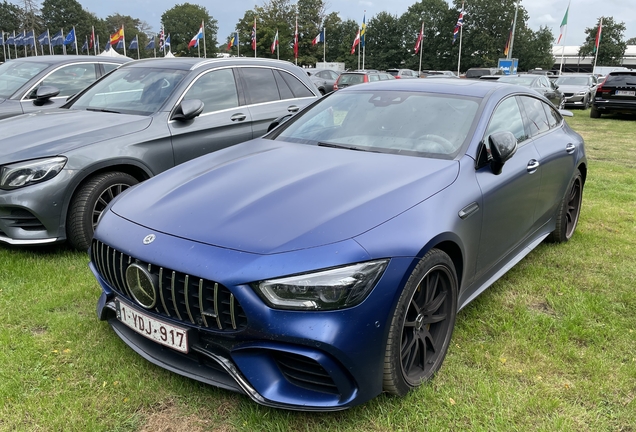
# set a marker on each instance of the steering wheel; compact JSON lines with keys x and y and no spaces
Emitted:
{"x":445,"y":145}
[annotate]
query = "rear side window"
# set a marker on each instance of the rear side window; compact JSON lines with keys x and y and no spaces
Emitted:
{"x":260,"y":85}
{"x":537,"y":119}
{"x":110,"y":67}
{"x":298,"y":89}
{"x":351,"y":79}
{"x":621,"y":80}
{"x":554,"y":118}
{"x":507,"y":117}
{"x":217,"y":90}
{"x":70,"y":79}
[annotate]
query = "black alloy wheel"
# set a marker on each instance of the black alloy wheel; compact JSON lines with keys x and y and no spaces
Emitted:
{"x":89,"y":202}
{"x":586,"y":102}
{"x":569,"y":211}
{"x":422,"y":324}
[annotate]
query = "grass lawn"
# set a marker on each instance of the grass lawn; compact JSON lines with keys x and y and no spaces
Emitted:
{"x":551,"y":346}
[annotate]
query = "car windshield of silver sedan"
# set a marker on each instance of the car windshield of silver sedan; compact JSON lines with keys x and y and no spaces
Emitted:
{"x":131,"y":91}
{"x":418,"y":124}
{"x":15,"y":74}
{"x":572,"y":80}
{"x":523,"y":81}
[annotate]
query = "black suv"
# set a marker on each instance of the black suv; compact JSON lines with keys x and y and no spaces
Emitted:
{"x":617,"y":94}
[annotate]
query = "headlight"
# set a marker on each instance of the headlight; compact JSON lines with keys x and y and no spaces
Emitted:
{"x":581,"y":93}
{"x":324,"y":290}
{"x":26,"y":173}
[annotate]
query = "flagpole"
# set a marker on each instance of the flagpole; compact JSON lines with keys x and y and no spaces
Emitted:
{"x":459,"y":58}
{"x":565,"y":35}
{"x":97,"y":45}
{"x":154,"y":47}
{"x":26,"y":54}
{"x":137,"y":37}
{"x":205,"y":51}
{"x":512,"y":37}
{"x":324,"y":45}
{"x":123,"y":34}
{"x":359,"y":47}
{"x":255,"y":35}
{"x":598,"y":46}
{"x":421,"y":43}
{"x":4,"y":48}
{"x":296,"y":38}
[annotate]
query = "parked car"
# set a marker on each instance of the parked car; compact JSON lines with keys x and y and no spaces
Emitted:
{"x":539,"y":83}
{"x":403,"y":73}
{"x":35,"y":83}
{"x":475,"y":73}
{"x":60,"y":168}
{"x":491,"y":77}
{"x":323,"y":78}
{"x":578,"y":89}
{"x":617,"y":94}
{"x":324,"y":263}
{"x":347,"y":79}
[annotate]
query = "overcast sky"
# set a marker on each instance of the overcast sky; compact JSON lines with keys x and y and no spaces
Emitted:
{"x":583,"y":13}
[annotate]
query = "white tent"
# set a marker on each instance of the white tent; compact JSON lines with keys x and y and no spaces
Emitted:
{"x":169,"y":55}
{"x":112,"y":53}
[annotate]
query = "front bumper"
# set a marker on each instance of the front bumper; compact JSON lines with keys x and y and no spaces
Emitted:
{"x":320,"y":361}
{"x":34,"y":214}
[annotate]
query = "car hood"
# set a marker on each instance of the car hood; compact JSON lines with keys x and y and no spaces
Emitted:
{"x":53,"y":132}
{"x":572,"y":88}
{"x":268,"y":197}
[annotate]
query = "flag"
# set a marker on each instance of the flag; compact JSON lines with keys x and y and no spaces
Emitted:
{"x":134,"y":44}
{"x":319,"y":38}
{"x":85,"y":46}
{"x":162,"y":40}
{"x":275,"y":43}
{"x":29,"y":39}
{"x":117,"y":36}
{"x":107,"y":47}
{"x":233,"y":41}
{"x":597,"y":42}
{"x":91,"y":41}
{"x":43,"y":39}
{"x":19,"y":40}
{"x":167,"y":42}
{"x":11,"y":39}
{"x":151,"y":44}
{"x":356,"y":41}
{"x":460,"y":23}
{"x":363,"y":30}
{"x":254,"y":35}
{"x":418,"y":42}
{"x":564,"y":24}
{"x":194,"y":42}
{"x":507,"y":47}
{"x":296,"y":39}
{"x":1,"y":37}
{"x":70,"y":37}
{"x":58,"y":39}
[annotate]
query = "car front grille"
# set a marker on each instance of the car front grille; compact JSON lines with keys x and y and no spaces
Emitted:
{"x":190,"y":299}
{"x":305,"y":372}
{"x":21,"y":218}
{"x":568,"y":94}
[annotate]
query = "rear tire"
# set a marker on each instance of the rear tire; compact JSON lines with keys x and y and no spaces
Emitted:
{"x":422,"y":324}
{"x":595,"y":113}
{"x":569,"y":211}
{"x":88,"y":203}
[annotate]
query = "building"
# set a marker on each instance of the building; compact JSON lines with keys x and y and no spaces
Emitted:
{"x":573,"y":63}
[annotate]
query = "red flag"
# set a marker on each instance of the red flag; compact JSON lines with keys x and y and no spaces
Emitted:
{"x":254,"y":35}
{"x":418,"y":44}
{"x":597,"y":42}
{"x":273,"y":47}
{"x":356,"y":41}
{"x":92,"y":40}
{"x":296,"y":39}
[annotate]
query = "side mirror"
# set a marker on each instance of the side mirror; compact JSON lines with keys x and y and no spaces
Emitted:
{"x":503,"y":145}
{"x":188,"y":109}
{"x":279,"y":121}
{"x":44,"y":93}
{"x":566,"y":113}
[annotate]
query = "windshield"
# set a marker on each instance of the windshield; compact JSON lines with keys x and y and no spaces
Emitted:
{"x":574,"y":81}
{"x":523,"y":81}
{"x":15,"y":74}
{"x":351,"y":79}
{"x":421,"y":124}
{"x":132,"y":90}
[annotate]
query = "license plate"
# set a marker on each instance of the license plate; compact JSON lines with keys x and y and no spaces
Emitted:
{"x":152,"y":328}
{"x":625,"y":93}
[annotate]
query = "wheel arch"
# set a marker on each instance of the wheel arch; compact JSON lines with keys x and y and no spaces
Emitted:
{"x":132,"y":167}
{"x":450,"y":244}
{"x":583,"y":169}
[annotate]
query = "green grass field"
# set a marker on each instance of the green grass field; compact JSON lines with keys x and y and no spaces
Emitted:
{"x":550,"y":347}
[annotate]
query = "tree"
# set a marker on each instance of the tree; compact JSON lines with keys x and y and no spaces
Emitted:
{"x":9,"y":17}
{"x":66,"y":14}
{"x":340,"y":36}
{"x":384,"y":42}
{"x":611,"y":48}
{"x":631,"y":41}
{"x":534,"y":49}
{"x":182,"y":22}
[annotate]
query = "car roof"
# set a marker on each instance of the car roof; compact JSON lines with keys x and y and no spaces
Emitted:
{"x":192,"y":63}
{"x":474,"y":88}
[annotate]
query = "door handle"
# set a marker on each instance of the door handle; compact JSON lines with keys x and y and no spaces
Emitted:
{"x":570,"y":148}
{"x":293,"y":108}
{"x":238,"y":117}
{"x":533,"y":165}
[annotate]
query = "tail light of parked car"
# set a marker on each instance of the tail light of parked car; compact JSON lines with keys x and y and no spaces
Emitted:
{"x":335,"y":85}
{"x":600,"y":89}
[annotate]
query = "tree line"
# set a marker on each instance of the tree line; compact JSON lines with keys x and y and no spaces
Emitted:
{"x":390,"y":39}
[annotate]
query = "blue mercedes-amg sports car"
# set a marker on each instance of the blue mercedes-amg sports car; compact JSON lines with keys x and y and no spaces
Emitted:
{"x":325,"y":262}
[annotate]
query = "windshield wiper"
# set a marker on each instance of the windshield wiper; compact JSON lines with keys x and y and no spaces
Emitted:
{"x":103,"y":110}
{"x":344,"y":146}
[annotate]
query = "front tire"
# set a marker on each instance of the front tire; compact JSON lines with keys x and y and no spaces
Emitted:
{"x":595,"y":113}
{"x":88,"y":203}
{"x":422,"y":324}
{"x":569,"y":211}
{"x":586,"y":103}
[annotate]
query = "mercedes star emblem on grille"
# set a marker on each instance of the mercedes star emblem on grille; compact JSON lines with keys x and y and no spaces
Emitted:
{"x":149,"y":238}
{"x":141,"y":285}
